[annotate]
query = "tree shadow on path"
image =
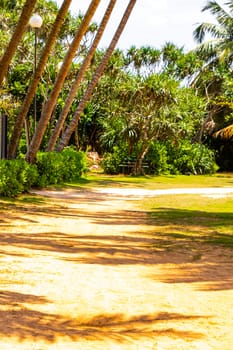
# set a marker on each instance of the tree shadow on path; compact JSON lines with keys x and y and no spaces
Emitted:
{"x":23,"y":323}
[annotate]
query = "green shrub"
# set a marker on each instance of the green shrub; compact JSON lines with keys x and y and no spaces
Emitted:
{"x":111,"y":161}
{"x":75,"y":164}
{"x":16,"y":176}
{"x":158,"y":159}
{"x":194,"y":158}
{"x":56,"y":168}
{"x":182,"y":157}
{"x":50,"y":168}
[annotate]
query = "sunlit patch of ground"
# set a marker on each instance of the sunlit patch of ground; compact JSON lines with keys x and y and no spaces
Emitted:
{"x":84,"y":271}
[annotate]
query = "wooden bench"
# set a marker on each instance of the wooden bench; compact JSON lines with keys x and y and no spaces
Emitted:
{"x":127,"y":167}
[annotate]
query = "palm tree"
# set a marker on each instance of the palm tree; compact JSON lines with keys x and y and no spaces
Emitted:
{"x":217,"y":55}
{"x":36,"y":79}
{"x":143,"y":58}
{"x":80,"y":75}
{"x":16,"y":37}
{"x":220,"y":45}
{"x":71,"y":127}
{"x":51,"y":102}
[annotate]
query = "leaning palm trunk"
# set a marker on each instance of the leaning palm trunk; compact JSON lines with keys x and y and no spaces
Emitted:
{"x":16,"y":37}
{"x":36,"y":79}
{"x":73,"y":124}
{"x":80,"y":76}
{"x":50,"y":104}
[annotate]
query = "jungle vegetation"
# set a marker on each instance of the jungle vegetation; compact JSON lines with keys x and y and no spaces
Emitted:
{"x":164,"y":107}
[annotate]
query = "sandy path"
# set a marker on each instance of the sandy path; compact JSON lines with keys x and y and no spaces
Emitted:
{"x":81,"y":274}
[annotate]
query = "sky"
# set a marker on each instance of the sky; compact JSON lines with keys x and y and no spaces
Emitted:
{"x":152,"y":22}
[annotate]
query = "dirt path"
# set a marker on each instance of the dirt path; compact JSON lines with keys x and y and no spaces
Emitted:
{"x":80,"y":273}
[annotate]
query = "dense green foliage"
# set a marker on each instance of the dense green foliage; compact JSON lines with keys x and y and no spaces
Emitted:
{"x":167,"y":158}
{"x":164,"y":109}
{"x":17,"y":176}
{"x":57,"y":168}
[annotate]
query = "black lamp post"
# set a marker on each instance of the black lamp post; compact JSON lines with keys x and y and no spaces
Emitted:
{"x":35,"y":22}
{"x":3,"y":136}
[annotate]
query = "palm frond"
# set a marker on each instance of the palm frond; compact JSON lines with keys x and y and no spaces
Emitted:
{"x":230,"y":6}
{"x":225,"y":133}
{"x":205,"y":28}
{"x":224,"y":54}
{"x":221,"y":15}
{"x":207,"y":50}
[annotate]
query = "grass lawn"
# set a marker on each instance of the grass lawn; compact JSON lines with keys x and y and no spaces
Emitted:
{"x":157,"y":182}
{"x":195,"y":218}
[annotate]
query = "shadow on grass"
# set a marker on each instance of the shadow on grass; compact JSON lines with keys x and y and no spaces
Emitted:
{"x":193,"y":217}
{"x":195,"y":225}
{"x":20,"y":322}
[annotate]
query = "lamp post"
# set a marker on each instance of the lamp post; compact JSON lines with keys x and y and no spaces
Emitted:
{"x":3,"y":136}
{"x":35,"y":22}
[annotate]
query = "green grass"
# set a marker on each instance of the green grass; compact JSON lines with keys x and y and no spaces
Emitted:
{"x":192,"y":218}
{"x":156,"y":182}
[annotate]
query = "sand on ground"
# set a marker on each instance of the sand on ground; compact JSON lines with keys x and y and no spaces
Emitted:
{"x":81,"y":271}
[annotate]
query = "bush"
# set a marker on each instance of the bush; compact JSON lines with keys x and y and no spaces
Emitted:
{"x":111,"y":161}
{"x":158,"y":159}
{"x":56,"y":168}
{"x":75,"y":164}
{"x":194,"y":159}
{"x":166,"y":157}
{"x":16,"y":176}
{"x":183,"y":157}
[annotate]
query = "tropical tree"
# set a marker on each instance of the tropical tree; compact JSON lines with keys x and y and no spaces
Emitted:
{"x":219,"y":46}
{"x":17,"y":35}
{"x":143,"y":60}
{"x":51,"y":102}
{"x":36,"y":78}
{"x":144,"y":110}
{"x":179,"y":64}
{"x":80,"y":76}
{"x":216,"y":53}
{"x":73,"y":124}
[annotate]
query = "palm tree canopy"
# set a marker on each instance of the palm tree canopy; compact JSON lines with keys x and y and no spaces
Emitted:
{"x":219,"y":43}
